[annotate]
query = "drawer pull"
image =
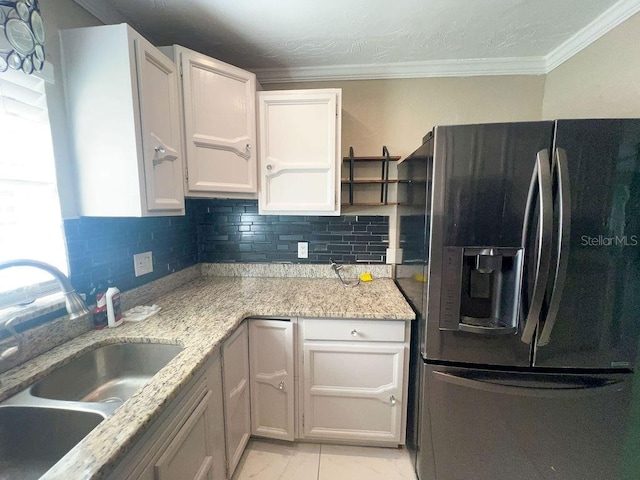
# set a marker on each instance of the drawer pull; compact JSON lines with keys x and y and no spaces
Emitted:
{"x":354,"y":333}
{"x":392,"y":400}
{"x":281,"y":385}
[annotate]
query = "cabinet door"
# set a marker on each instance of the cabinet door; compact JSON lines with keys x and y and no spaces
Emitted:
{"x":353,"y":391}
{"x":220,"y":125}
{"x":216,"y":417}
{"x":299,"y":152}
{"x":272,"y":386}
{"x":187,"y":456}
{"x":160,"y":124}
{"x":237,"y":400}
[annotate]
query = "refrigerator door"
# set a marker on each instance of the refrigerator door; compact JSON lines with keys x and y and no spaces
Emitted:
{"x":486,"y":204}
{"x":593,"y":298}
{"x":489,"y":425}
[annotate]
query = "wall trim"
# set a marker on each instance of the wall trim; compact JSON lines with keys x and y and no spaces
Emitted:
{"x":433,"y":68}
{"x":603,"y":24}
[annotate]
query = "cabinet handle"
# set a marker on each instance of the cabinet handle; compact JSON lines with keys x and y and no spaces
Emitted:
{"x":269,"y":167}
{"x":158,"y":159}
{"x":354,"y":333}
{"x":281,"y":385}
{"x":248,"y":147}
{"x":392,"y":400}
{"x":167,"y":158}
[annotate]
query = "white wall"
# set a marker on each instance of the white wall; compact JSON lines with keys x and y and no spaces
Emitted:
{"x":603,"y":80}
{"x":59,"y":15}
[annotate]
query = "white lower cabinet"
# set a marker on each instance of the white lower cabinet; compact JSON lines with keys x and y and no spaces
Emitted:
{"x":187,"y":442}
{"x":272,"y":378}
{"x":352,"y":389}
{"x":355,"y":380}
{"x":237,"y":400}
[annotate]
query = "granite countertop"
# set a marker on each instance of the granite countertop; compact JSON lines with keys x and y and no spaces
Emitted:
{"x":198,"y":316}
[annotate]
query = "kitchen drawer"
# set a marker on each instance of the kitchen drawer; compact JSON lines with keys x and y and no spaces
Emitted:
{"x":354,"y":330}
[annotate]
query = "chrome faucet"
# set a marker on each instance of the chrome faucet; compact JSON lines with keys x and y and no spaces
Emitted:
{"x":74,"y":304}
{"x":336,"y":268}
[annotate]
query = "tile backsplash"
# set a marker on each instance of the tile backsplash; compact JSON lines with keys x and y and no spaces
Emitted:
{"x":103,"y":248}
{"x":232,"y":231}
{"x":215,"y":231}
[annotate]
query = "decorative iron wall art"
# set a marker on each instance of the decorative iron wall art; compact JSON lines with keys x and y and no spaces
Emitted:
{"x":21,"y":36}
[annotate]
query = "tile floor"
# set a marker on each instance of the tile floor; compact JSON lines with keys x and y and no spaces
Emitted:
{"x":273,"y":460}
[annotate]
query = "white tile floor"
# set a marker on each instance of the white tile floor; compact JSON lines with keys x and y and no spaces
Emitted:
{"x":273,"y":460}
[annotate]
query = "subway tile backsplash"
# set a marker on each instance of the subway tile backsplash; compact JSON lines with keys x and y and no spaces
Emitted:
{"x":215,"y":231}
{"x":102,"y":249}
{"x":232,"y":231}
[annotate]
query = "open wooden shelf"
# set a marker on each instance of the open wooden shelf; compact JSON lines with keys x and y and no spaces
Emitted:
{"x":364,"y":182}
{"x":383,"y":181}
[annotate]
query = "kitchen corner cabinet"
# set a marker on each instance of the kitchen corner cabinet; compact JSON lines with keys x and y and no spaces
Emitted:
{"x":299,"y":152}
{"x":219,"y":118}
{"x":272,"y":378}
{"x":122,"y":98}
{"x":237,"y":399}
{"x":355,"y":380}
{"x":187,"y":442}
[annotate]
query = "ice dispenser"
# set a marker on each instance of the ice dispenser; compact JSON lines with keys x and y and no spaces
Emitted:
{"x":481,"y":289}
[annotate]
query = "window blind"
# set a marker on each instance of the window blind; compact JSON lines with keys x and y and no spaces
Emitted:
{"x":30,"y":219}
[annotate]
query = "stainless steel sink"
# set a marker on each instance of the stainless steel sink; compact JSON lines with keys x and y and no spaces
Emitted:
{"x":33,"y":439}
{"x":108,"y":374}
{"x":40,"y":424}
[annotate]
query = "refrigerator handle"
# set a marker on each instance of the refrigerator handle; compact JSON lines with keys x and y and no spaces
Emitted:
{"x":564,"y":235}
{"x":528,"y":388}
{"x":541,"y":176}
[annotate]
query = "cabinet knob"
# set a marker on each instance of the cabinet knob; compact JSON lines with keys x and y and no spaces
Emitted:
{"x":269,"y":167}
{"x":281,"y":385}
{"x":160,"y":149}
{"x":248,"y":147}
{"x":392,"y":400}
{"x":354,"y":333}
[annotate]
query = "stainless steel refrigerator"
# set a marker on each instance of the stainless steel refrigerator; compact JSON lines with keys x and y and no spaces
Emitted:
{"x":530,"y":314}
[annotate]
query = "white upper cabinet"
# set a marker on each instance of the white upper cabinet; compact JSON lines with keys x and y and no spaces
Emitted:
{"x":219,"y":109}
{"x":122,"y":97}
{"x":299,"y":154}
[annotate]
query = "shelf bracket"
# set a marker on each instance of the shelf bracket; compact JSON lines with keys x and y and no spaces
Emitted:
{"x":351,"y":162}
{"x":384,"y":192}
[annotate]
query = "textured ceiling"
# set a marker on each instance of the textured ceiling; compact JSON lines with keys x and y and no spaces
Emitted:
{"x":290,"y":34}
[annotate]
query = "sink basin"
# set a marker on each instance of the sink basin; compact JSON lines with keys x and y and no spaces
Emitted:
{"x":33,"y":439}
{"x":110,"y":374}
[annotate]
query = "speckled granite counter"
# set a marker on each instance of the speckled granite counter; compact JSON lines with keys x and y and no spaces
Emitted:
{"x":199,"y":316}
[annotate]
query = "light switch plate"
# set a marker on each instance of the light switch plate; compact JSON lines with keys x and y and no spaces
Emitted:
{"x":303,"y":249}
{"x":143,"y":263}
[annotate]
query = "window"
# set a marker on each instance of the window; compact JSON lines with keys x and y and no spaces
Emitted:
{"x":30,"y":220}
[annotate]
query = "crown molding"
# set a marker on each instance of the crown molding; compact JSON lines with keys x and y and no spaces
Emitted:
{"x":611,"y":18}
{"x":102,"y":11}
{"x":433,"y":68}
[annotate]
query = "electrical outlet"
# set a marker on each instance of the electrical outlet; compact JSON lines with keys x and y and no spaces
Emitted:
{"x":394,"y":255}
{"x":303,"y":249}
{"x":143,"y":263}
